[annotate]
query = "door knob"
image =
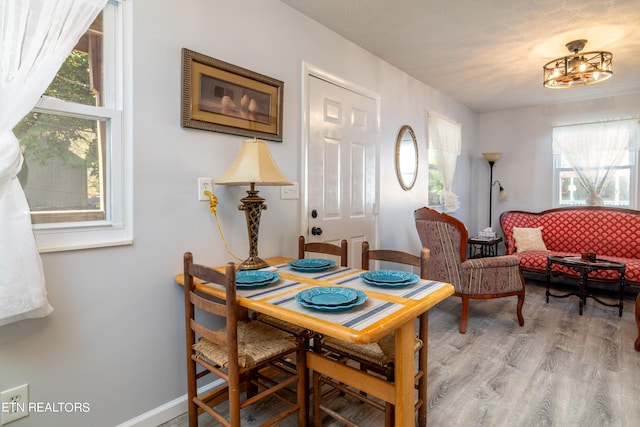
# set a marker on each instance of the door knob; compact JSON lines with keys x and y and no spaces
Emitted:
{"x":316,"y":231}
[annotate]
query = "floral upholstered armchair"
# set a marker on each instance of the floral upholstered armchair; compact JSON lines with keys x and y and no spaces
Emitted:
{"x":481,"y":278}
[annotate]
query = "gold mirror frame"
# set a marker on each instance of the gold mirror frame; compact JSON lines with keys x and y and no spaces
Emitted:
{"x":406,"y":165}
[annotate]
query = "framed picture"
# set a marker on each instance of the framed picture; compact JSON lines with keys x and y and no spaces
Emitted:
{"x":220,"y":97}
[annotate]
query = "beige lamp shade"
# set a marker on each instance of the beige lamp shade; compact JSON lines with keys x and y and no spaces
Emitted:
{"x":492,"y":157}
{"x":253,"y":164}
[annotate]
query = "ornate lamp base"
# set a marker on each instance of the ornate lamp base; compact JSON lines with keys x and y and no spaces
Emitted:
{"x":253,"y":264}
{"x":252,"y":205}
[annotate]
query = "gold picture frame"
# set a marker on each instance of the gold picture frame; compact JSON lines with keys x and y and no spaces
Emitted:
{"x":221,"y":97}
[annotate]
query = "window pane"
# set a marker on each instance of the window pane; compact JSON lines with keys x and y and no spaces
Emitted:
{"x":615,"y":193}
{"x":62,"y":173}
{"x":435,"y":186}
{"x":80,"y":79}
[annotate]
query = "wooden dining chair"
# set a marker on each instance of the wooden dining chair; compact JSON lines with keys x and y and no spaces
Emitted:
{"x":375,"y":357}
{"x":247,"y":355}
{"x":303,"y":248}
{"x":323,"y":248}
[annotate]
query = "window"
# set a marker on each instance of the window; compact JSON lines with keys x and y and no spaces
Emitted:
{"x":595,"y":164}
{"x":617,"y":191}
{"x":445,"y":139}
{"x":74,"y":149}
{"x":435,"y":182}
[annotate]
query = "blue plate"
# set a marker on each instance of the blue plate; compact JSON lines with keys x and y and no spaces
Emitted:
{"x":254,"y":276}
{"x":329,"y":296}
{"x":389,"y":278}
{"x":362,"y":297}
{"x":247,"y":279}
{"x":312,"y":264}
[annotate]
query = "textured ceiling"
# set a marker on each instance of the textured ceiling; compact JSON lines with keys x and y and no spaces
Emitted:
{"x":489,"y":54}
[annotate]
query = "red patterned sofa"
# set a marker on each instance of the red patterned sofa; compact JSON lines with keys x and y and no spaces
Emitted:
{"x":612,"y":233}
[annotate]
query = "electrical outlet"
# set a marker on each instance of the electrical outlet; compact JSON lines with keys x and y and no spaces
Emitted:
{"x":14,"y":404}
{"x":204,"y":184}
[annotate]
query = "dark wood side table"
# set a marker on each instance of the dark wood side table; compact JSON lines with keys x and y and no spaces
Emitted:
{"x":584,"y":268}
{"x":481,"y":247}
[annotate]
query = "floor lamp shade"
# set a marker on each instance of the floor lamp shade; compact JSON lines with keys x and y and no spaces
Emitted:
{"x":253,"y":166}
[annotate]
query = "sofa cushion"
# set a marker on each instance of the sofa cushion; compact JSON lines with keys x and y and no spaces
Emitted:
{"x":528,"y":239}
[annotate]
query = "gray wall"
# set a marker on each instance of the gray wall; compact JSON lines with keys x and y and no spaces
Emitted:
{"x":524,"y":137}
{"x":115,"y":339}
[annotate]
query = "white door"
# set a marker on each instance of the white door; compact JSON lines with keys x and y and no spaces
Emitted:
{"x":341,"y":166}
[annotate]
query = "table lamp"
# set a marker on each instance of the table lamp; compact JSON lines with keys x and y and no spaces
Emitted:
{"x":253,"y":166}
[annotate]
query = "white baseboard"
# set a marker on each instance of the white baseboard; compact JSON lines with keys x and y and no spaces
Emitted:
{"x":166,"y":412}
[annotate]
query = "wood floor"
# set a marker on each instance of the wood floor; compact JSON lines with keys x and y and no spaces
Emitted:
{"x":560,"y":369}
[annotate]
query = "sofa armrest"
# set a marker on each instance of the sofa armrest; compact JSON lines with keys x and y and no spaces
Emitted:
{"x":492,"y":275}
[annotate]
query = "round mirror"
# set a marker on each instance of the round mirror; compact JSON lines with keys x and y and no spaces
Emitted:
{"x":406,"y":157}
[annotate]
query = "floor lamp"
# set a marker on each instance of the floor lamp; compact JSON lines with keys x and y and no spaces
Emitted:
{"x":492,"y":158}
{"x":253,"y":166}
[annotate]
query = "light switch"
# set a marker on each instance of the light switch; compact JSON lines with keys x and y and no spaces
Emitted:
{"x":290,"y":191}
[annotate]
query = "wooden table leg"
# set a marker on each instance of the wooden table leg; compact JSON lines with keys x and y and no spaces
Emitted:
{"x":404,"y":375}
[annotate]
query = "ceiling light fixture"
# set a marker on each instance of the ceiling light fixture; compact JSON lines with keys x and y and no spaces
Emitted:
{"x":579,"y":69}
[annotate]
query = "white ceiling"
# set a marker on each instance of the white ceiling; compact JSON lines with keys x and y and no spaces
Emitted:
{"x":489,"y":54}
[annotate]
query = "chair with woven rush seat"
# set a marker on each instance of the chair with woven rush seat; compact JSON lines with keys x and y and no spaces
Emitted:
{"x":376,"y":357}
{"x":303,"y":248}
{"x":481,"y":278}
{"x":244,"y":353}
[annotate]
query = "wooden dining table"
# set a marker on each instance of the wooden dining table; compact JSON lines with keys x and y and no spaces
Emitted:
{"x":386,"y":310}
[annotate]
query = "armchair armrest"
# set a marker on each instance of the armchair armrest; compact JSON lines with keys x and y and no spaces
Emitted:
{"x":491,"y":262}
{"x":493,"y":275}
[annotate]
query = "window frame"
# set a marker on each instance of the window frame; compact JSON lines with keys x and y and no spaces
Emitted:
{"x":116,"y":228}
{"x":633,"y":180}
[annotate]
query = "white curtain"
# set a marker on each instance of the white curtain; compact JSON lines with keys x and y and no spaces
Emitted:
{"x":445,"y":140}
{"x":594,"y":150}
{"x":36,"y":36}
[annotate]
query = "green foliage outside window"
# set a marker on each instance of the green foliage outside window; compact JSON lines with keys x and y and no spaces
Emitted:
{"x":58,"y":143}
{"x":435,"y":186}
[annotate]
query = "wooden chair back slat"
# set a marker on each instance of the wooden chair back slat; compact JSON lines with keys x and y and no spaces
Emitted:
{"x":208,"y":305}
{"x":207,"y":274}
{"x":213,"y":336}
{"x":400,"y":257}
{"x":323,"y":248}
